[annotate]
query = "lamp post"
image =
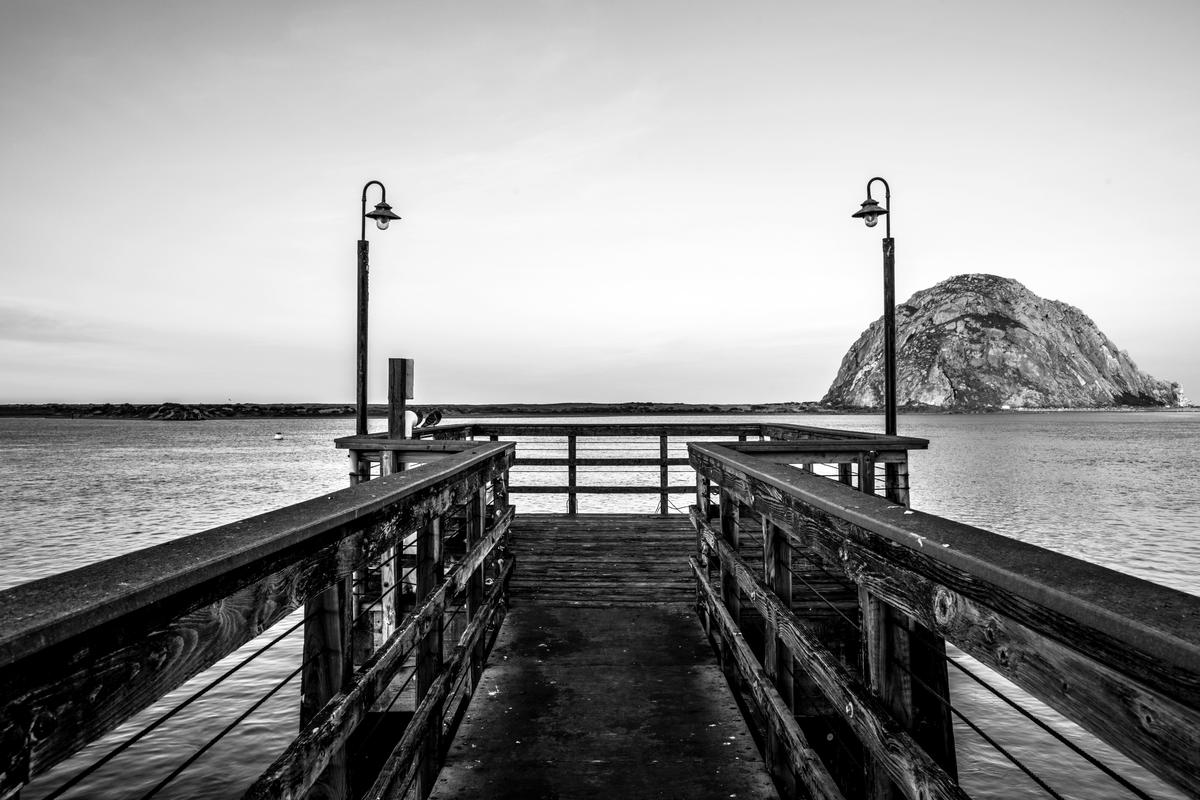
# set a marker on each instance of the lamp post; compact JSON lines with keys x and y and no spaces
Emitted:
{"x":382,"y":216}
{"x":870,"y":214}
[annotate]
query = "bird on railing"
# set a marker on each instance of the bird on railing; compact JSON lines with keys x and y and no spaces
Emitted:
{"x":426,"y":419}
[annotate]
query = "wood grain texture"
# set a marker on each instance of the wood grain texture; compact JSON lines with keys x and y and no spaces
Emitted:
{"x":526,"y":489}
{"x":913,"y":770}
{"x":803,"y":761}
{"x":1116,"y":654}
{"x":595,"y":559}
{"x":298,"y":767}
{"x":83,"y":651}
{"x":427,"y":719}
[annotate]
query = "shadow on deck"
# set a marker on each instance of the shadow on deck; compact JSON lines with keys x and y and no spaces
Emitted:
{"x":602,"y":683}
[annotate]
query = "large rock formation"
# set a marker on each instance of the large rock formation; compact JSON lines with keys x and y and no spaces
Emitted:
{"x":981,"y":341}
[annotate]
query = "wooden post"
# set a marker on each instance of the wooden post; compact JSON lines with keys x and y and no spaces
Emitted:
{"x":663,"y":475}
{"x":703,"y":489}
{"x":354,"y":467}
{"x":572,"y":507}
{"x":327,"y":669}
{"x":776,"y":657}
{"x":389,"y":567}
{"x":476,"y":528}
{"x":400,"y":390}
{"x":845,"y":475}
{"x":866,"y":472}
{"x":731,"y":533}
{"x":896,"y":481}
{"x":896,"y":648}
{"x":429,"y":652}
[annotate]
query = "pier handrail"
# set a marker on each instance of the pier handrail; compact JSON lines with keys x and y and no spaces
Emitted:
{"x":1118,"y":655}
{"x":847,"y":449}
{"x":82,"y":651}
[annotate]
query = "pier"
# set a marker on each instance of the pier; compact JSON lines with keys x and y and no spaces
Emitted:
{"x":776,"y":622}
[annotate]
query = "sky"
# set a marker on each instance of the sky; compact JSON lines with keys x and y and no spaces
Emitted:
{"x":602,"y":200}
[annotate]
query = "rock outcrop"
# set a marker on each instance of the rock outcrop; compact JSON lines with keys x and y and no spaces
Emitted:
{"x":982,"y":341}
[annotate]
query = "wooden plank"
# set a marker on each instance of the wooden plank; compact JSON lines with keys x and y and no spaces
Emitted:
{"x":598,"y":462}
{"x":884,"y":446}
{"x":906,"y":668}
{"x":913,"y":770}
{"x":375,"y":444}
{"x":801,"y":758}
{"x":328,"y":665}
{"x":841,"y":457}
{"x":572,"y":476}
{"x":1116,"y":654}
{"x":598,"y":489}
{"x":429,"y":653}
{"x":664,"y":474}
{"x":400,"y":390}
{"x":617,"y":429}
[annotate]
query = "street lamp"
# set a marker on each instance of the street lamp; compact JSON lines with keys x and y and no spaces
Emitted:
{"x":870,"y":214}
{"x":382,"y":216}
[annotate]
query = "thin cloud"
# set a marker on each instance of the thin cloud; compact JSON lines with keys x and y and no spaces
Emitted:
{"x":24,"y":324}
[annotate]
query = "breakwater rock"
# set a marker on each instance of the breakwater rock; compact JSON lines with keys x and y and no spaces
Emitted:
{"x":976,"y":342}
{"x":427,"y":414}
{"x":177,"y":411}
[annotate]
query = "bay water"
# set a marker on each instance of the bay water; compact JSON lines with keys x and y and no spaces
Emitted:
{"x":1114,"y":488}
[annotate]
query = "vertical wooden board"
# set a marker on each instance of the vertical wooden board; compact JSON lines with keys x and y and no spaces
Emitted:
{"x":429,"y":651}
{"x":400,"y":389}
{"x":327,"y":668}
{"x":572,"y":475}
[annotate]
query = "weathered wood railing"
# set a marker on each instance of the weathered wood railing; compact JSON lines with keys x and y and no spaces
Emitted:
{"x":580,"y":448}
{"x":82,"y":651}
{"x":836,"y":627}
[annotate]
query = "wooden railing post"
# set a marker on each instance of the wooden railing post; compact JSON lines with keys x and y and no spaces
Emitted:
{"x":476,"y":527}
{"x":703,"y":490}
{"x":663,"y":475}
{"x":429,"y":652}
{"x":390,"y":570}
{"x":731,"y":533}
{"x":777,"y":662}
{"x":327,"y":668}
{"x":703,"y":493}
{"x":896,"y":481}
{"x":572,"y":479}
{"x":866,"y":472}
{"x":906,"y":668}
{"x":845,"y":474}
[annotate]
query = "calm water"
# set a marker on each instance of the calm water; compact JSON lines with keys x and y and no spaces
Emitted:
{"x":1113,"y":488}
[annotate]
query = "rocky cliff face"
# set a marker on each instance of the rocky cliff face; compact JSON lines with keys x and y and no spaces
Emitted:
{"x":980,"y":341}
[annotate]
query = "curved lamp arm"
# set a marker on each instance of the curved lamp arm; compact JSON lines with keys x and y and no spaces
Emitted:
{"x":887,"y":203}
{"x":382,"y":199}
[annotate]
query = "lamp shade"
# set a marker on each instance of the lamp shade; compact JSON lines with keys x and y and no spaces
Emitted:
{"x":382,"y":215}
{"x":870,"y":210}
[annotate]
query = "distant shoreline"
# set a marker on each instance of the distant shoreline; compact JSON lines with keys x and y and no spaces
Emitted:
{"x":213,"y":411}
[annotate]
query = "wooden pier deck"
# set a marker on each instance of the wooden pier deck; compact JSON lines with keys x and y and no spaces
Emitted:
{"x":829,"y":602}
{"x":602,"y":683}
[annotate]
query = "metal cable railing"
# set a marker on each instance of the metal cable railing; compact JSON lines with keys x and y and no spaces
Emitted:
{"x":225,"y":731}
{"x":162,"y":719}
{"x":1024,"y":712}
